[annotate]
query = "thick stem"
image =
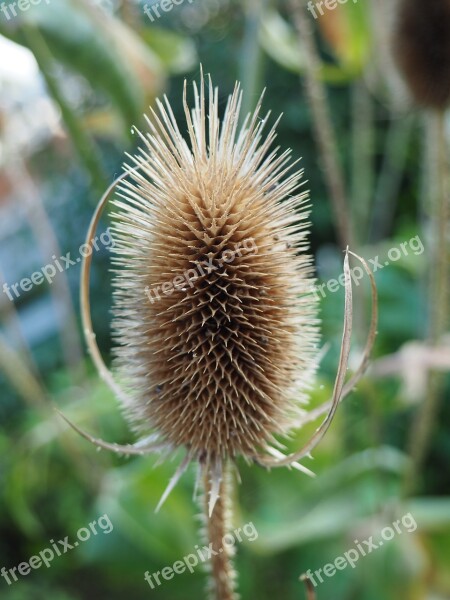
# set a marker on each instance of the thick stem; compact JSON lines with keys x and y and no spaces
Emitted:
{"x":222,"y":583}
{"x":423,"y":426}
{"x":320,"y":110}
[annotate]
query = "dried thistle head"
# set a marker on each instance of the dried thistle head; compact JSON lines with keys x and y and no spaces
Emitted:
{"x":422,"y":50}
{"x":215,"y":312}
{"x":214,"y":317}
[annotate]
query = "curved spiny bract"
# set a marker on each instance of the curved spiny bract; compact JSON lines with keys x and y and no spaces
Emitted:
{"x":214,"y":314}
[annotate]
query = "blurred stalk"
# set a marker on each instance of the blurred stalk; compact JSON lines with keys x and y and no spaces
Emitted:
{"x":382,"y":15}
{"x":81,"y":141}
{"x":10,"y":317}
{"x":363,"y":147}
{"x":324,"y":131}
{"x":252,"y":57}
{"x":438,"y":299}
{"x":362,"y":184}
{"x":130,"y":13}
{"x":59,"y":289}
{"x":392,"y":170}
{"x":20,"y":376}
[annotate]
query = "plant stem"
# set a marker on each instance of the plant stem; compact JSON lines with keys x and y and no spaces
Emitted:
{"x":310,"y":592}
{"x":217,"y":526}
{"x":21,"y":377}
{"x":9,"y":317}
{"x":325,"y":135}
{"x":392,"y":172}
{"x":363,"y":146}
{"x":252,"y":57}
{"x":47,"y":241}
{"x":424,"y":423}
{"x":439,"y":299}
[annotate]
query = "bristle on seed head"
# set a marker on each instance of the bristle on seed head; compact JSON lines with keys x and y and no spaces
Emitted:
{"x":422,"y":50}
{"x":214,"y":315}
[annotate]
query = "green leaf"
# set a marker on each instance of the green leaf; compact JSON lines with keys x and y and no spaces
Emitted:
{"x":431,"y":513}
{"x":281,"y":43}
{"x":102,"y":49}
{"x":176,"y":52}
{"x":349,"y":23}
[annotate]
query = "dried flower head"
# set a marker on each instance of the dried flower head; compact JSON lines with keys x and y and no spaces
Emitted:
{"x":215,"y":313}
{"x":215,"y":327}
{"x":422,"y":50}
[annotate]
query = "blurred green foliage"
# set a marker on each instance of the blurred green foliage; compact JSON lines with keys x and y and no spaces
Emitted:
{"x":53,"y":483}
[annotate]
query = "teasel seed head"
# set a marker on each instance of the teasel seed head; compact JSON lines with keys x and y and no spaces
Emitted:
{"x":422,"y":50}
{"x":214,"y":318}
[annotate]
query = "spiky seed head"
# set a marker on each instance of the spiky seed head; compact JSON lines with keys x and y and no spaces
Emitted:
{"x":214,"y":316}
{"x":422,"y":49}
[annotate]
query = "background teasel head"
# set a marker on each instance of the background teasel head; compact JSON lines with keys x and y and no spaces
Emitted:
{"x":216,"y":331}
{"x":421,"y":43}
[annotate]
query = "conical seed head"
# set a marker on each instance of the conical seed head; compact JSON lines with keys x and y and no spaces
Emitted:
{"x":422,"y":49}
{"x":215,"y":317}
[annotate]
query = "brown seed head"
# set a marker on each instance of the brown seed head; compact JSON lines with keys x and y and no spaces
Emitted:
{"x":214,"y":315}
{"x":422,"y":50}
